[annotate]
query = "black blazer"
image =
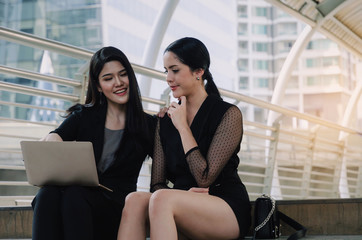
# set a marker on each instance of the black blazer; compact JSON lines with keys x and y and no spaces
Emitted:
{"x":87,"y":124}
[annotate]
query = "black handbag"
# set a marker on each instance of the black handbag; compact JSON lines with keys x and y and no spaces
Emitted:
{"x":267,"y":220}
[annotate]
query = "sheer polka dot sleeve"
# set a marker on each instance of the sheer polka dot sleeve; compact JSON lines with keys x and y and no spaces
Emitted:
{"x":227,"y":137}
{"x":158,"y":176}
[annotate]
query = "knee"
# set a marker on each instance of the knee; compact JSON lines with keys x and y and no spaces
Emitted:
{"x":49,"y":195}
{"x":136,"y":202}
{"x":161,"y":200}
{"x":74,"y":198}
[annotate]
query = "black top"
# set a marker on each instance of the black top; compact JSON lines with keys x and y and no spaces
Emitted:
{"x":217,"y":128}
{"x":88,"y":124}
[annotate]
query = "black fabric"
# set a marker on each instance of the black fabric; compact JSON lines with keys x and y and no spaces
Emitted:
{"x":94,"y":211}
{"x":75,"y":213}
{"x":217,"y":129}
{"x":87,"y":124}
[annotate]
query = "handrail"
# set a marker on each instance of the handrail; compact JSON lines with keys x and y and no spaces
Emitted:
{"x":77,"y":52}
{"x":23,"y":105}
{"x":300,"y":156}
{"x":286,"y":111}
{"x":38,"y":76}
{"x":36,"y":91}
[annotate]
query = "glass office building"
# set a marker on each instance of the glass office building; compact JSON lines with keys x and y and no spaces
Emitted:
{"x":322,"y":80}
{"x":127,"y":25}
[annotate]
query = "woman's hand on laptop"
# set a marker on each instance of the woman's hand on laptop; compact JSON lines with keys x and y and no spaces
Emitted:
{"x":52,"y":137}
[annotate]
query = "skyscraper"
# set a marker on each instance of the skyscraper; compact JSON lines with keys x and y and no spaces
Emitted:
{"x":322,"y":80}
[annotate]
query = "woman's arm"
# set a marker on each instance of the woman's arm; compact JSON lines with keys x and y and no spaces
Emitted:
{"x":224,"y":143}
{"x":158,"y":175}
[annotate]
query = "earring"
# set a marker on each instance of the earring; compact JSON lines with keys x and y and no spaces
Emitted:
{"x":198,"y":78}
{"x":100,"y":97}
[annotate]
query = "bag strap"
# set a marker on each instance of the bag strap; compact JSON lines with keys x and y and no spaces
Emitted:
{"x":301,"y":230}
{"x":262,"y":224}
{"x":257,"y":228}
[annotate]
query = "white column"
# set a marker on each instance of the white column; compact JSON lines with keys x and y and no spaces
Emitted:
{"x":154,"y":42}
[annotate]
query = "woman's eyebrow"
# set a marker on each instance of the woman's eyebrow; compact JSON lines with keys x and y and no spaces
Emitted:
{"x":109,"y":74}
{"x":171,"y":66}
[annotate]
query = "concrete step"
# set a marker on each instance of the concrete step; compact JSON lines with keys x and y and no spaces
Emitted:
{"x":13,"y":183}
{"x":337,"y":219}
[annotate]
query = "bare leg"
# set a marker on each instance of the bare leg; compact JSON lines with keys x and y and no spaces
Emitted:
{"x":196,"y":215}
{"x":134,"y":221}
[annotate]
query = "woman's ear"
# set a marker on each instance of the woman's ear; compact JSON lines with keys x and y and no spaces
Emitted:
{"x":198,"y":73}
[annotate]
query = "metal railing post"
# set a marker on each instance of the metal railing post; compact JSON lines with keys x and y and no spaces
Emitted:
{"x":271,"y":171}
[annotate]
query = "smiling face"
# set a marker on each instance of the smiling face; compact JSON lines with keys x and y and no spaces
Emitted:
{"x":114,"y":83}
{"x":180,"y":78}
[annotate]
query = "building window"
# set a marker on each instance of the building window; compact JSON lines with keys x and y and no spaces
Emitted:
{"x":260,"y":12}
{"x":243,"y":47}
{"x":286,"y":29}
{"x":330,"y":61}
{"x":313,"y":81}
{"x":243,"y":29}
{"x":261,"y":82}
{"x":311,"y":63}
{"x":284,"y":46}
{"x":322,"y":44}
{"x":260,"y":29}
{"x":261,"y":47}
{"x":243,"y":65}
{"x":261,"y":65}
{"x":243,"y":83}
{"x":242,"y":11}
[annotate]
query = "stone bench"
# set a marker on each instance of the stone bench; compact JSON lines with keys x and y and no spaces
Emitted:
{"x":320,"y":217}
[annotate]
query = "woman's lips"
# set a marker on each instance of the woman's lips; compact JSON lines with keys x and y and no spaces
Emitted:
{"x":173,"y":88}
{"x":121,"y":92}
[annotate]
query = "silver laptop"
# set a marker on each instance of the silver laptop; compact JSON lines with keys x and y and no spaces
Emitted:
{"x":60,"y":163}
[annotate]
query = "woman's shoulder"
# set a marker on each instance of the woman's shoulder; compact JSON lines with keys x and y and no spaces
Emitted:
{"x":219,"y":103}
{"x":83,"y":110}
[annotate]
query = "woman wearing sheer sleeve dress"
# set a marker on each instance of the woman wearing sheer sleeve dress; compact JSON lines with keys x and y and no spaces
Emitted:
{"x":196,"y":146}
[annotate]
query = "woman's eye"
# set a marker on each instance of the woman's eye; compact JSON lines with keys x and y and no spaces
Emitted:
{"x":123,"y":74}
{"x":175,"y":71}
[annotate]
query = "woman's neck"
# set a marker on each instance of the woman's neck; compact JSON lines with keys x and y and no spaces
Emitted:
{"x":116,"y":117}
{"x":193,"y":104}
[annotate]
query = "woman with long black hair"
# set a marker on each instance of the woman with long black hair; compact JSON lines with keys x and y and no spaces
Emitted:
{"x":122,"y":134}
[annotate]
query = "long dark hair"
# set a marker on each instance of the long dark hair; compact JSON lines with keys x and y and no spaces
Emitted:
{"x":135,"y":117}
{"x":193,"y":53}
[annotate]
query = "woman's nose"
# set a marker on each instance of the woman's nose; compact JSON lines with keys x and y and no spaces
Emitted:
{"x":119,"y":82}
{"x":168,"y":78}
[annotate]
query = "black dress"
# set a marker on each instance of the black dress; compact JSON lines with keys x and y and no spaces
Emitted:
{"x":217,"y":129}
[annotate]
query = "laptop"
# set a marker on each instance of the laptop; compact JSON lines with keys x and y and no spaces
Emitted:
{"x":60,"y":163}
